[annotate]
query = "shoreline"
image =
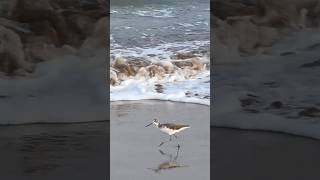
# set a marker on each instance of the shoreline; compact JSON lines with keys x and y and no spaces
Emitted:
{"x":124,"y":102}
{"x":280,"y":133}
{"x":160,"y":100}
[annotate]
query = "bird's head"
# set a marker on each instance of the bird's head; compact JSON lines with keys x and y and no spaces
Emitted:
{"x":155,"y":122}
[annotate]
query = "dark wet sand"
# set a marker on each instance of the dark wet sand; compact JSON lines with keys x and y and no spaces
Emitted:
{"x":135,"y":154}
{"x":54,"y":152}
{"x":257,"y":155}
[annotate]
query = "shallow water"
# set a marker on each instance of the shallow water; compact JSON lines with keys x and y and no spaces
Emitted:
{"x":56,"y":151}
{"x":157,"y":31}
{"x":150,"y":23}
{"x":134,"y":151}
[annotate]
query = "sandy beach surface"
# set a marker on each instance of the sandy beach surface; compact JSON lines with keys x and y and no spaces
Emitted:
{"x":54,"y":151}
{"x":252,"y":155}
{"x":134,"y":151}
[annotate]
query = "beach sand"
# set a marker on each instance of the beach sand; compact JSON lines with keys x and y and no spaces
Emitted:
{"x":252,"y":155}
{"x":134,"y":152}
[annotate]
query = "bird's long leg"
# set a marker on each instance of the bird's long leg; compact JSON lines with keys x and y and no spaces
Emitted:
{"x":176,"y":136}
{"x":177,"y":155}
{"x":165,"y":141}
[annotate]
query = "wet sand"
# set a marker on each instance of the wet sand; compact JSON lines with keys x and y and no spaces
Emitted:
{"x":134,"y":151}
{"x":54,"y":151}
{"x":259,"y":155}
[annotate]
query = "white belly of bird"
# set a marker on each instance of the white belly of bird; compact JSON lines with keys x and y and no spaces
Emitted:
{"x":171,"y":131}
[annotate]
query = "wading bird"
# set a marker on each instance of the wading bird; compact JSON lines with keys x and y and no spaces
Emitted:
{"x":169,"y":128}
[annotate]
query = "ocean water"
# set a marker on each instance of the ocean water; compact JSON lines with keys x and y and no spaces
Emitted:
{"x":156,"y":31}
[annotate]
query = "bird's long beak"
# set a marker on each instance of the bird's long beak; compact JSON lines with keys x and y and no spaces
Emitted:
{"x":148,"y":125}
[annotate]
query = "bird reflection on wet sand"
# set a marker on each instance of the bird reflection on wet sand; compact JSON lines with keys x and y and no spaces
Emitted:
{"x":170,"y":164}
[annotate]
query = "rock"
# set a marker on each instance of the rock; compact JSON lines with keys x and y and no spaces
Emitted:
{"x":11,"y":53}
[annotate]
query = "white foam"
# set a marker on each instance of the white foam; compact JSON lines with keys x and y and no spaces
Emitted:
{"x":156,"y":13}
{"x":164,"y":50}
{"x":175,"y":88}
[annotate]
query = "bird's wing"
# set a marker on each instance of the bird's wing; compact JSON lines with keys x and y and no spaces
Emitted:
{"x":174,"y":126}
